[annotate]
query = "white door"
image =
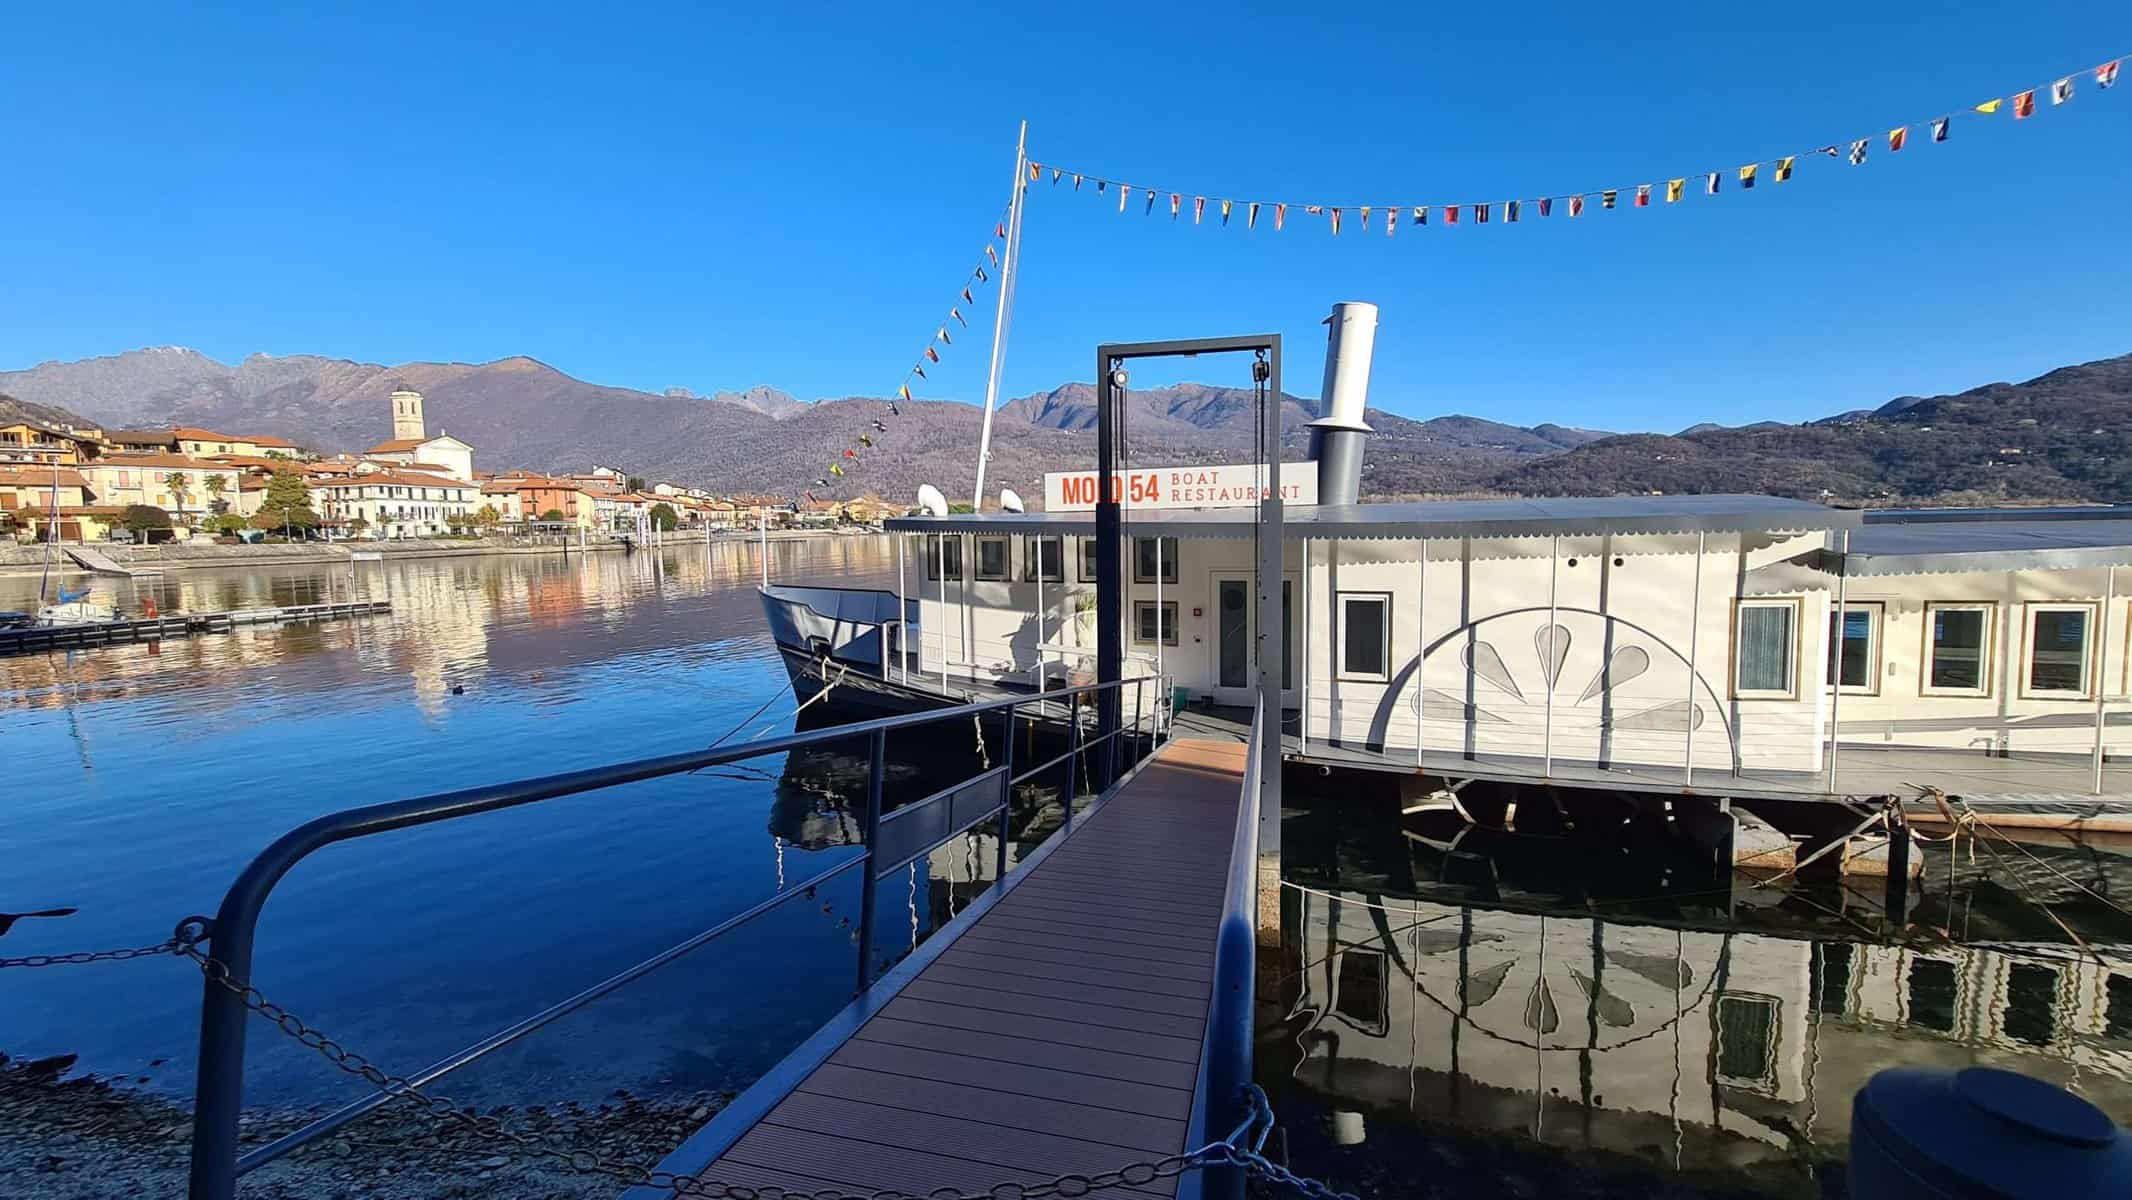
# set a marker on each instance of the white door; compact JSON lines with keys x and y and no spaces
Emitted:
{"x":1235,"y":672}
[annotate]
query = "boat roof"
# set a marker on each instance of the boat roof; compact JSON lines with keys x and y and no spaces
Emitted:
{"x":1991,"y":540}
{"x":1528,"y":517}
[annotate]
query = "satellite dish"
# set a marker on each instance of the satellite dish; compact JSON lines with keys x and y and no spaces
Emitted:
{"x":930,"y":499}
{"x":1011,"y":501}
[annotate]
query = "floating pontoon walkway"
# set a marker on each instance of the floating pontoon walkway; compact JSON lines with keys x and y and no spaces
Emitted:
{"x":176,"y":625}
{"x":1060,"y":1031}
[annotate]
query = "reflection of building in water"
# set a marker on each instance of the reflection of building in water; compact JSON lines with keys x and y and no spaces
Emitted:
{"x":454,"y":617}
{"x":531,"y":619}
{"x":1705,"y":1051}
{"x":437,"y":633}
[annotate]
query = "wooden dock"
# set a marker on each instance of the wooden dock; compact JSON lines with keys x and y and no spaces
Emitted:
{"x":1060,"y":1031}
{"x":176,"y":625}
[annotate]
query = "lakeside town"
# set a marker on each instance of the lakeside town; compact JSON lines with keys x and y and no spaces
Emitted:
{"x":83,"y":484}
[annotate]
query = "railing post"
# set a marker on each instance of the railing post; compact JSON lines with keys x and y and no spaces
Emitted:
{"x":1073,"y":752}
{"x":1110,"y":699}
{"x":1139,"y":686}
{"x":876,"y":770}
{"x":1006,"y":797}
{"x":218,"y":1094}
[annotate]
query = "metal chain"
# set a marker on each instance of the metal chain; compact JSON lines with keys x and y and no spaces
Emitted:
{"x":1233,"y":1151}
{"x":170,"y":946}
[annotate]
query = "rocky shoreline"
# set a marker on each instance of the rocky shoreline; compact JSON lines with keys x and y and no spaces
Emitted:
{"x":67,"y":1137}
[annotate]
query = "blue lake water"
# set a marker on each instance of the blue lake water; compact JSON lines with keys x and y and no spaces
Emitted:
{"x":140,"y":779}
{"x":1553,"y":1033}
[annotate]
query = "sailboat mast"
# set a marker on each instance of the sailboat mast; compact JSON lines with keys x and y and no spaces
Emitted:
{"x":51,"y":533}
{"x":1010,"y":260}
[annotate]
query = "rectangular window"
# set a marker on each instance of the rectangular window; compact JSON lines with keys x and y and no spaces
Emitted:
{"x":2058,"y":649}
{"x":1088,"y":560}
{"x":1766,"y":648}
{"x":1855,"y":652}
{"x":1933,"y":994}
{"x":2031,"y":1004}
{"x":1747,"y":1039}
{"x":951,"y":547}
{"x":1044,"y":559}
{"x":1365,"y":636}
{"x":1365,"y":990}
{"x":991,"y":558}
{"x":2117,"y":1016}
{"x":1144,"y":621}
{"x":1957,"y":649}
{"x":1833,"y":994}
{"x":1145,"y":553}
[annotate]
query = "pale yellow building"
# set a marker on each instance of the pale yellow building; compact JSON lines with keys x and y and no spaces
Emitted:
{"x":203,"y":443}
{"x":183,"y":486}
{"x":32,"y":442}
{"x":502,"y":495}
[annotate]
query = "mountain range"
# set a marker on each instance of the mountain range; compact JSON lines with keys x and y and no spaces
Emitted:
{"x":2065,"y":435}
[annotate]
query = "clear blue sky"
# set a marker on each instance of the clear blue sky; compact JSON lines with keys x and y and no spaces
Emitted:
{"x":789,"y":194}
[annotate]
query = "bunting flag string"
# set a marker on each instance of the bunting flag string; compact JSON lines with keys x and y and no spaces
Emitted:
{"x":2022,"y":105}
{"x":848,"y":456}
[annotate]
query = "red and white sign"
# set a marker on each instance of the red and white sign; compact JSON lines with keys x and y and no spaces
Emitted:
{"x":1180,"y":487}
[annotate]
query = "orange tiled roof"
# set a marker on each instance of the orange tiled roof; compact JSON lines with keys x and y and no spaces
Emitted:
{"x":153,"y":459}
{"x":40,"y":477}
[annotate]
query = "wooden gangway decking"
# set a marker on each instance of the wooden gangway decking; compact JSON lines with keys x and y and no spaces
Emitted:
{"x":1060,"y":1031}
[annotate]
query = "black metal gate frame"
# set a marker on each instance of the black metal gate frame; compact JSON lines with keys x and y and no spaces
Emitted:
{"x":1266,"y":571}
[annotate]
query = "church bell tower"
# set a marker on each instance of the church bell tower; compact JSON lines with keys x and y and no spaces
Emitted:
{"x":407,"y":415}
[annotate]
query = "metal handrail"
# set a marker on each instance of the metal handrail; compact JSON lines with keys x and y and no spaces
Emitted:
{"x":1226,"y":1056}
{"x":326,"y":1124}
{"x":219,"y":1091}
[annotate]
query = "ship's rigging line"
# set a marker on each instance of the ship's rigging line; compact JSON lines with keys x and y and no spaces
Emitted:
{"x":2020,"y":105}
{"x":863,"y":439}
{"x":828,"y":685}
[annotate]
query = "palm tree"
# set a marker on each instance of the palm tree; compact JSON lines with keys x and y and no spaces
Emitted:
{"x":177,"y":483}
{"x":216,"y":485}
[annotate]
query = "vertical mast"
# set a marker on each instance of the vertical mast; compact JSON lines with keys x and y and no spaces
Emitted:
{"x":1010,"y":259}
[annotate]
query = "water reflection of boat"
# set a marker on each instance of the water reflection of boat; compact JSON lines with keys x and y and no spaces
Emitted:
{"x":1694,"y":1051}
{"x":821,"y":789}
{"x":820,"y":797}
